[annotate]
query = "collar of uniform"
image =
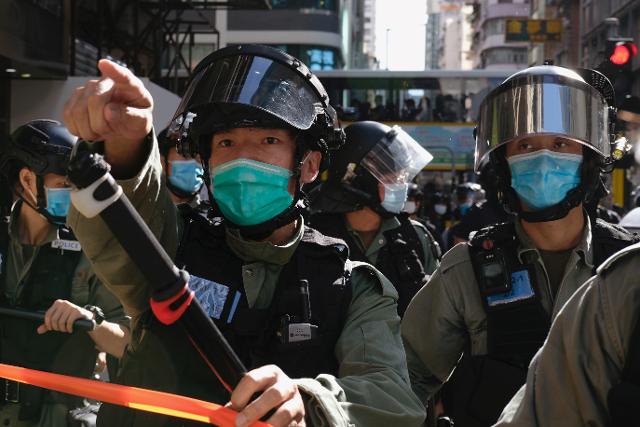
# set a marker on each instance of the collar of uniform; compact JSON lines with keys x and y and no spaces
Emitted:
{"x":14,"y":231}
{"x":252,"y":251}
{"x":386,"y":224}
{"x":584,"y":248}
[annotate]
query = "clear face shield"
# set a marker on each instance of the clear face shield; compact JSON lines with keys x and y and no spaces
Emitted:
{"x":396,"y":159}
{"x":542,"y":104}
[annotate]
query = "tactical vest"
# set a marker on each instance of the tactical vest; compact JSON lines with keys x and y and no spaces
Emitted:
{"x":401,"y":260}
{"x":49,"y":278}
{"x":517,"y":324}
{"x":298,"y":332}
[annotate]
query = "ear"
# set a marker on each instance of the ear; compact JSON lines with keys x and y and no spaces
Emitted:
{"x":310,"y":167}
{"x":381,"y":191}
{"x":27,"y":181}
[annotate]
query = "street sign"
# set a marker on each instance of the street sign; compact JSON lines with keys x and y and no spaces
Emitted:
{"x":533,"y":30}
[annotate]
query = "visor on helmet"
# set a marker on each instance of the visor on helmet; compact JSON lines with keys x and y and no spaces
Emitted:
{"x":396,"y":158}
{"x":542,"y":104}
{"x":253,"y":81}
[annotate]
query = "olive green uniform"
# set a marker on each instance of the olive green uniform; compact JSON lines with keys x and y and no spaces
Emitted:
{"x":569,"y":378}
{"x":447,"y":314}
{"x":372,"y":387}
{"x":85,"y":289}
{"x":379,"y":241}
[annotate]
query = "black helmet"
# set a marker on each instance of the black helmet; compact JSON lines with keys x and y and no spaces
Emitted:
{"x":374,"y":153}
{"x":256,"y":86}
{"x":548,"y":100}
{"x":44,"y":146}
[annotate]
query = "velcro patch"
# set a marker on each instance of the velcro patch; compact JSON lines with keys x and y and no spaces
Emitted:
{"x":521,"y":289}
{"x":211,"y":295}
{"x":67,"y":245}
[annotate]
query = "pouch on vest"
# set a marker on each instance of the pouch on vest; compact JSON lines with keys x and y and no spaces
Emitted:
{"x":480,"y":389}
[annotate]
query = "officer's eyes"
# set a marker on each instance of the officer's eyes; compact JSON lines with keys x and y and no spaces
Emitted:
{"x":561,"y":144}
{"x":524,"y":146}
{"x":225,"y":143}
{"x":270,"y":140}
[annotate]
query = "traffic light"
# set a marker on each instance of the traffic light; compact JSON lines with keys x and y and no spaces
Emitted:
{"x":618,"y":65}
{"x":620,"y":52}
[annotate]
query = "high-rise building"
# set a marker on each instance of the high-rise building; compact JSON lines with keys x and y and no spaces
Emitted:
{"x":310,"y":30}
{"x":433,"y":36}
{"x":455,"y":40}
{"x":488,"y":43}
{"x":566,"y":51}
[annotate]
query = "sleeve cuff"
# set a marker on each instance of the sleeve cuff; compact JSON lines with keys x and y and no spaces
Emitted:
{"x":321,"y":406}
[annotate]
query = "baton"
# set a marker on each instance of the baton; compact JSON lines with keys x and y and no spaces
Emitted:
{"x":38,"y":316}
{"x":97,"y":193}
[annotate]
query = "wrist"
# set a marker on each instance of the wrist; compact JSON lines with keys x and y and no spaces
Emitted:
{"x":96,"y":312}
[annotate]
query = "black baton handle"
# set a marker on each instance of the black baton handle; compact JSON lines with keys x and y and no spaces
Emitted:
{"x":38,"y":316}
{"x":155,"y":265}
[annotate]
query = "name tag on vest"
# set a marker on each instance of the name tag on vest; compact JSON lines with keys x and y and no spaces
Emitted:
{"x":521,"y":289}
{"x":67,"y":245}
{"x":211,"y":295}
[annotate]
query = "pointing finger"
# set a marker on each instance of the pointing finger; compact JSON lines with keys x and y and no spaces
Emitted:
{"x":115,"y":72}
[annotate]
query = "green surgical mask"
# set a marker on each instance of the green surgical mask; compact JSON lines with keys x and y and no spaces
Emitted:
{"x":250,"y":192}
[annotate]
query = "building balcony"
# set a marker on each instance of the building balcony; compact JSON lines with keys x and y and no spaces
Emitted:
{"x":501,"y":10}
{"x":497,"y":40}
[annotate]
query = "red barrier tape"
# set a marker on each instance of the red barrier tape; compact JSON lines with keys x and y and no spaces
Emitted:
{"x":132,"y":397}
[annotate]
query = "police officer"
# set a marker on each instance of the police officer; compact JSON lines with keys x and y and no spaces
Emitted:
{"x":587,"y":372}
{"x":43,"y":269}
{"x":362,"y":200}
{"x":320,"y":333}
{"x":183,"y":175}
{"x":493,"y":298}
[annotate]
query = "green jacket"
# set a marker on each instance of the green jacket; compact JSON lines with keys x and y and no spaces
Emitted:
{"x":372,"y":388}
{"x":447,"y":314}
{"x":85,"y":289}
{"x":583,"y":357}
{"x":431,"y":263}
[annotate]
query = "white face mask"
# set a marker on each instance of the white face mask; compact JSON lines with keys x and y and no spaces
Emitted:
{"x":440,"y":209}
{"x":410,"y":207}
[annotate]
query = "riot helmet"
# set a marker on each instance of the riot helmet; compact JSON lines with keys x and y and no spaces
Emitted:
{"x":185,"y":179}
{"x":44,"y":146}
{"x":256,"y":86}
{"x":374,"y":154}
{"x":548,"y":100}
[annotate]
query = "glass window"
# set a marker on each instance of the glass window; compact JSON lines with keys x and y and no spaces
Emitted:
{"x":316,"y":57}
{"x":305,"y":4}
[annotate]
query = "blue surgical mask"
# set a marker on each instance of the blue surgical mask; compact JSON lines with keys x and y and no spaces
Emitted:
{"x":440,"y":209}
{"x":249,"y":192}
{"x":543,"y":178}
{"x":186,"y":175}
{"x":394,"y":197}
{"x":464,"y":208}
{"x":58,"y":201}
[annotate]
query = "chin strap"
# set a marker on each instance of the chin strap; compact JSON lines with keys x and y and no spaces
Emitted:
{"x":559,"y":210}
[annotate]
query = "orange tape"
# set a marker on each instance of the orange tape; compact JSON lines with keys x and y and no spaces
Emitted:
{"x":132,"y":397}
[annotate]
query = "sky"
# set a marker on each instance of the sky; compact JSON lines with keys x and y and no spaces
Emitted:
{"x":405,"y":20}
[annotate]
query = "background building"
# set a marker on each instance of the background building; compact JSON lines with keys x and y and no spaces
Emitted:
{"x":448,"y":35}
{"x":488,"y":43}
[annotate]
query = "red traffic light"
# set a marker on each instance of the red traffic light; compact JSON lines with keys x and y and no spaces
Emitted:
{"x":623,"y":52}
